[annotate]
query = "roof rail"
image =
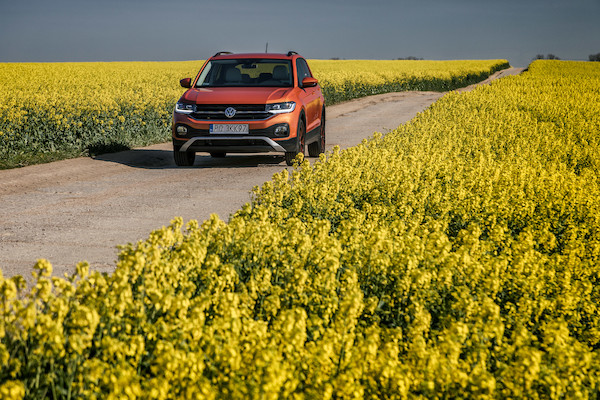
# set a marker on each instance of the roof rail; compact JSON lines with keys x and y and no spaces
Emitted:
{"x":222,"y":52}
{"x":291,"y":53}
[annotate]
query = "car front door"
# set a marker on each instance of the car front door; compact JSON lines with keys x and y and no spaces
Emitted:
{"x":310,"y":97}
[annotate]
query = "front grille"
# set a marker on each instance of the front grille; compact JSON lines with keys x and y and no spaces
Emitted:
{"x":243,"y":112}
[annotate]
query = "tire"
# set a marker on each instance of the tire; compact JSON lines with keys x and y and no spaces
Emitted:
{"x":183,"y":159}
{"x":218,"y":155}
{"x":290,"y":156}
{"x":318,"y":147}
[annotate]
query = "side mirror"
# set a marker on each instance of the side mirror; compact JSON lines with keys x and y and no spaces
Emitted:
{"x":186,"y":83}
{"x":309,"y":82}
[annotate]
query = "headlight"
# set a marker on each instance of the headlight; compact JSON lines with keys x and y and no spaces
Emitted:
{"x":279,"y":108}
{"x":184,"y":108}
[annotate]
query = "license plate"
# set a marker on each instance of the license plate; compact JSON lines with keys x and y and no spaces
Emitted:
{"x":229,"y":128}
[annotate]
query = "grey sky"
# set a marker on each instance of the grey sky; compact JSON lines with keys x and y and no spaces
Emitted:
{"x":161,"y":30}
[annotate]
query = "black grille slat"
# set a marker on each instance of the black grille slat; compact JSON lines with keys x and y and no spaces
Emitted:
{"x":238,"y":107}
{"x":222,"y":117}
{"x":243,"y":112}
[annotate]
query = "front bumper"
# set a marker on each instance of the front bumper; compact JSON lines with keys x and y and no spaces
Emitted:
{"x":234,"y":144}
{"x":260,"y":139}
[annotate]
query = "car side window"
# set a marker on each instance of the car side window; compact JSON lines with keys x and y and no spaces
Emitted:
{"x":302,"y":69}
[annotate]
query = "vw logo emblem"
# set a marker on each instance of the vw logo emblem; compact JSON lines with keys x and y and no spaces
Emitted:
{"x":230,"y":112}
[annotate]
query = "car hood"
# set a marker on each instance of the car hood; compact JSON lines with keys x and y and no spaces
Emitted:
{"x":230,"y":95}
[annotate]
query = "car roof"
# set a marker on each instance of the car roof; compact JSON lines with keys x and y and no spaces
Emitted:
{"x":275,"y":56}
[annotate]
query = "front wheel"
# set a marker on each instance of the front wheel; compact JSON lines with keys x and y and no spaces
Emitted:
{"x":290,"y":156}
{"x":318,"y":147}
{"x":183,"y":158}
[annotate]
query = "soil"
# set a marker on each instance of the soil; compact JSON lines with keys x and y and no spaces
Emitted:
{"x":82,"y":209}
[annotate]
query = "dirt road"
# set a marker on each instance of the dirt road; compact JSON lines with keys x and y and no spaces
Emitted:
{"x":81,"y":209}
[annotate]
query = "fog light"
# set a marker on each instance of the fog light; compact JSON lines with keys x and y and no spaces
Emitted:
{"x":181,"y":129}
{"x":281,"y":130}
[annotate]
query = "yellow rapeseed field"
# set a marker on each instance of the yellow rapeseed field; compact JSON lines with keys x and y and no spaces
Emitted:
{"x":55,"y":110}
{"x":456,"y":257}
{"x":59,"y":110}
{"x":346,"y":79}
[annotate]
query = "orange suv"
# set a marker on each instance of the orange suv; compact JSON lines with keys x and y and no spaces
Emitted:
{"x":250,"y":103}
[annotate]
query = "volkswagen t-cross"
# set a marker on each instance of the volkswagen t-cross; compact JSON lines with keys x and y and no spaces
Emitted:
{"x":250,"y":103}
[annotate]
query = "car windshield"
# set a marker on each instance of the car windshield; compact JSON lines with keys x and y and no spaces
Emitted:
{"x":246,"y":72}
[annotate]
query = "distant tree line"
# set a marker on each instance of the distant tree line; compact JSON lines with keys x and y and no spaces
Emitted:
{"x":593,"y":57}
{"x":546,"y":57}
{"x":401,"y":58}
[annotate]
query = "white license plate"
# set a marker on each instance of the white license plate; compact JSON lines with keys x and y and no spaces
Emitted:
{"x":229,"y":128}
